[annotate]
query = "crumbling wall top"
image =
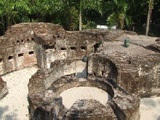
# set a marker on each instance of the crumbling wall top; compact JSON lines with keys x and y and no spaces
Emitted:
{"x":26,"y":31}
{"x":5,"y":42}
{"x":47,"y":33}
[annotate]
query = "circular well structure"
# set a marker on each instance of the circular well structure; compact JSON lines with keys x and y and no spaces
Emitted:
{"x":70,"y":96}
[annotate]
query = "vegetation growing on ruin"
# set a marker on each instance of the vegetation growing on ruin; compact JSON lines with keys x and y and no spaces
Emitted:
{"x":141,"y":16}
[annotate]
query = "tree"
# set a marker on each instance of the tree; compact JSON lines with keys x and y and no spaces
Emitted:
{"x":10,"y":11}
{"x":7,"y":12}
{"x":42,"y":9}
{"x":78,"y":14}
{"x":150,"y":6}
{"x":89,"y":5}
{"x":83,"y":5}
{"x":119,"y":17}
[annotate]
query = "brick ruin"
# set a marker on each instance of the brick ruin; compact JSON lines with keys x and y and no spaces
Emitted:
{"x":17,"y":49}
{"x":90,"y":58}
{"x":3,"y":88}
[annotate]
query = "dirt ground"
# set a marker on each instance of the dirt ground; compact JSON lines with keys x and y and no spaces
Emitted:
{"x":14,"y":105}
{"x":150,"y":108}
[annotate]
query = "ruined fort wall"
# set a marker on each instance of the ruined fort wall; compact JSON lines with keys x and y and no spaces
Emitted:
{"x":3,"y":88}
{"x":125,"y":106}
{"x":1,"y":65}
{"x":66,"y":45}
{"x":149,"y":81}
{"x":52,"y":55}
{"x":40,"y":55}
{"x":59,"y":52}
{"x":51,"y":42}
{"x":17,"y":57}
{"x":139,"y":76}
{"x":101,"y":66}
{"x":17,"y":48}
{"x":61,"y":68}
{"x":25,"y":55}
{"x":9,"y":59}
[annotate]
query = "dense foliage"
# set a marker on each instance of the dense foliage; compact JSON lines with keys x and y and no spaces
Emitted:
{"x":78,"y":14}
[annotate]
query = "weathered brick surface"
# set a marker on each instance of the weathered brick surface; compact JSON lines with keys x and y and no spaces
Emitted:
{"x":120,"y":105}
{"x":3,"y":88}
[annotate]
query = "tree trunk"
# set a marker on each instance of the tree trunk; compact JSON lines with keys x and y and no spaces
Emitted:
{"x":151,"y":2}
{"x":3,"y":25}
{"x":80,"y":17}
{"x":8,"y":20}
